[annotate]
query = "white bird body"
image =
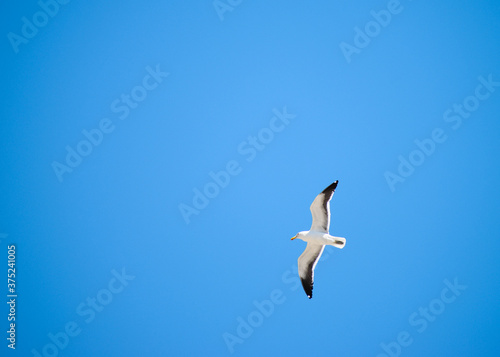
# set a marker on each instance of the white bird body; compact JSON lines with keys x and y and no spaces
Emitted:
{"x":321,"y":238}
{"x":317,"y":237}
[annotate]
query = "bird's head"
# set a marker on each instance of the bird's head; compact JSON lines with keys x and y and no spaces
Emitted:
{"x":299,"y":235}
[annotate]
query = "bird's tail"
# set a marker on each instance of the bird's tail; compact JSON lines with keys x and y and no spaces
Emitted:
{"x":338,"y":242}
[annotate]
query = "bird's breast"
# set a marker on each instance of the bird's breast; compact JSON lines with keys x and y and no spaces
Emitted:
{"x":318,"y":237}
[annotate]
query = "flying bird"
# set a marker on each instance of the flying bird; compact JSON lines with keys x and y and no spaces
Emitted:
{"x":317,"y":237}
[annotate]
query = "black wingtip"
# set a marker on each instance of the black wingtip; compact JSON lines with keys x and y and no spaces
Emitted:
{"x":332,"y":187}
{"x":308,"y":287}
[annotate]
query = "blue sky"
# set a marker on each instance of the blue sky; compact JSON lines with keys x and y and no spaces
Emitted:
{"x":117,"y":116}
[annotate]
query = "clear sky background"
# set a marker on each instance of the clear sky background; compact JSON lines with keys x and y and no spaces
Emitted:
{"x":415,"y":222}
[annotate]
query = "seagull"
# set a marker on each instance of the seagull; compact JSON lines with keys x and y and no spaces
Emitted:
{"x":317,"y":237}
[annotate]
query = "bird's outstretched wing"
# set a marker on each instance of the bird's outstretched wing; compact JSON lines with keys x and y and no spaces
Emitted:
{"x":307,"y":262}
{"x":320,"y":209}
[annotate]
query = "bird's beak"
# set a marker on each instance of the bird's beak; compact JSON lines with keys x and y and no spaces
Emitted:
{"x":293,"y":238}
